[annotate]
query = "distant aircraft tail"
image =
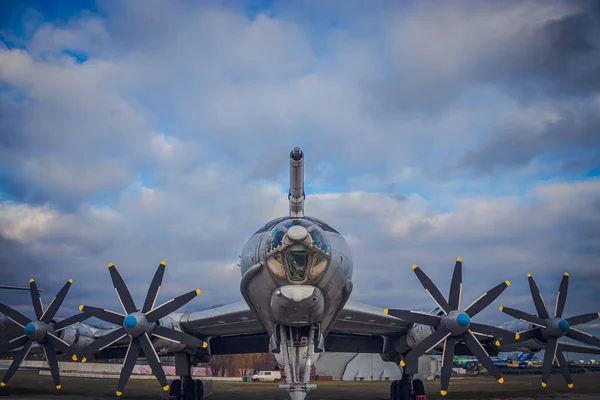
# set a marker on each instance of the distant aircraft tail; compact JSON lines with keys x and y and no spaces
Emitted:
{"x":296,"y":194}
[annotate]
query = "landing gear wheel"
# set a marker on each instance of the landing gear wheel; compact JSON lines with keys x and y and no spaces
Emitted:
{"x":199,"y":390}
{"x":419,"y":390}
{"x":400,"y":390}
{"x":175,"y":390}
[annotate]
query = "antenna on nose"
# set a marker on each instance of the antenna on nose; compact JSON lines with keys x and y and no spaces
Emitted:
{"x":296,"y":194}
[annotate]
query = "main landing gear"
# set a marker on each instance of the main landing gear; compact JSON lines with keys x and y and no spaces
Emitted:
{"x":407,"y":388}
{"x":186,"y":388}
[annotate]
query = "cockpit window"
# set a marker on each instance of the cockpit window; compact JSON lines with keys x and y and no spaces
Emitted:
{"x":297,"y":259}
{"x":297,"y":221}
{"x":322,"y":224}
{"x":319,"y":240}
{"x":277,"y":235}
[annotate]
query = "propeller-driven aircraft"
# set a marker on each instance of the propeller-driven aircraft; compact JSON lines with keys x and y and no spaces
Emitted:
{"x":296,"y":284}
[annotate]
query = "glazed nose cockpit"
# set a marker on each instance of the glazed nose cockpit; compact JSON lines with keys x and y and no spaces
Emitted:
{"x":297,"y":251}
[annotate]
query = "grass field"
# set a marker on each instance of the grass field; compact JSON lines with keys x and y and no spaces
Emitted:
{"x":30,"y":385}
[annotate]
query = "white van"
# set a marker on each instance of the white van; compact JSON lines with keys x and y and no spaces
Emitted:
{"x":267,"y":376}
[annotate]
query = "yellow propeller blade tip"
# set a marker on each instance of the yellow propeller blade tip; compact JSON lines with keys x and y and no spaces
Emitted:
{"x":570,"y":386}
{"x":204,"y":345}
{"x":507,"y":283}
{"x":386,"y":311}
{"x":197,"y":292}
{"x":497,"y":343}
{"x":111,"y":265}
{"x":599,"y":315}
{"x":163,"y":262}
{"x":81,"y":307}
{"x":166,"y":388}
{"x":415,"y":266}
{"x":566,"y":274}
{"x":529,"y":275}
{"x":119,"y":394}
{"x":443,"y":392}
{"x":501,"y":308}
{"x":501,"y":380}
{"x":31,"y":280}
{"x":83,"y":359}
{"x":70,"y":281}
{"x":517,"y":336}
{"x":2,"y":384}
{"x":58,"y":387}
{"x":74,"y":358}
{"x":459,"y":259}
{"x":402,"y":363}
{"x":544,"y":384}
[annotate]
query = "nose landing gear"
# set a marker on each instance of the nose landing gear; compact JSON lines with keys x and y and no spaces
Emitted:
{"x":407,"y":388}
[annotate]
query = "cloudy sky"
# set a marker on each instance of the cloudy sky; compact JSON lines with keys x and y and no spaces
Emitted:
{"x":138,"y":131}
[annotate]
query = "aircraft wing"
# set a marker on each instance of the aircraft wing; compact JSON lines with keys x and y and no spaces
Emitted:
{"x":359,"y":318}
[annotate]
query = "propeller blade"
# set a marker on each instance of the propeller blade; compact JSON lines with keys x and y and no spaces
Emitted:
{"x":447,"y":359}
{"x":582,"y":319}
{"x":479,"y":352}
{"x":14,"y":315}
{"x":36,"y":299}
{"x":52,"y":363}
{"x":122,"y":291}
{"x":101,"y":343}
{"x":414,"y":317}
{"x":561,"y":299}
{"x":133,"y":351}
{"x":56,"y":302}
{"x":427,"y":344}
{"x":456,"y":286}
{"x":13,"y":344}
{"x":153,"y":360}
{"x":489,"y":330}
{"x":564,"y":368}
{"x":431,"y":289}
{"x":519,"y":337}
{"x":486,"y":299}
{"x":540,"y":306}
{"x":154,"y":288}
{"x":171,"y":306}
{"x":549,"y":354}
{"x":583,"y":337}
{"x":177,"y":336}
{"x":105,"y":315}
{"x":59,"y":344}
{"x":571,"y":348}
{"x":16,"y":363}
{"x":67,"y":322}
{"x":523,"y":316}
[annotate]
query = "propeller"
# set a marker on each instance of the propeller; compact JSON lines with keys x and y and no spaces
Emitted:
{"x":549,"y":330}
{"x":139,"y":326}
{"x":43,"y":331}
{"x":455,"y":325}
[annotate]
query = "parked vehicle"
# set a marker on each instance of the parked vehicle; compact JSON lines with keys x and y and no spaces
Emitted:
{"x":267,"y":376}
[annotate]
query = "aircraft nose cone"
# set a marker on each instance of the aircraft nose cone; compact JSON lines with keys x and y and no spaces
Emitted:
{"x":463,"y":320}
{"x":29,"y":329}
{"x":297,"y":233}
{"x":563,"y":325}
{"x":130,"y":322}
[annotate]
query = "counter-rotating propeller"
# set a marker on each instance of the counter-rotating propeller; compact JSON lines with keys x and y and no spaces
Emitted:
{"x":454,"y":325}
{"x":549,"y":330}
{"x":139,"y":325}
{"x":43,"y":330}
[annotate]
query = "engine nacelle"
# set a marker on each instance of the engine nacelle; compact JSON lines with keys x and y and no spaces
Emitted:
{"x":78,"y":336}
{"x":164,"y":346}
{"x":414,"y":336}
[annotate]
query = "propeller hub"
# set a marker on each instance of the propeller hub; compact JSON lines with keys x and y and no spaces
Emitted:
{"x":563,"y":325}
{"x":458,"y":322}
{"x":36,"y":330}
{"x":463,"y":320}
{"x":136,"y":324}
{"x":29,"y":329}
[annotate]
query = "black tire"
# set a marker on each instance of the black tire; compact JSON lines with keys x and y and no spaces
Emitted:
{"x":175,"y":390}
{"x":189,"y":390}
{"x":393,"y":390}
{"x":403,"y":391}
{"x":276,"y":381}
{"x":199,"y":390}
{"x":419,"y":388}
